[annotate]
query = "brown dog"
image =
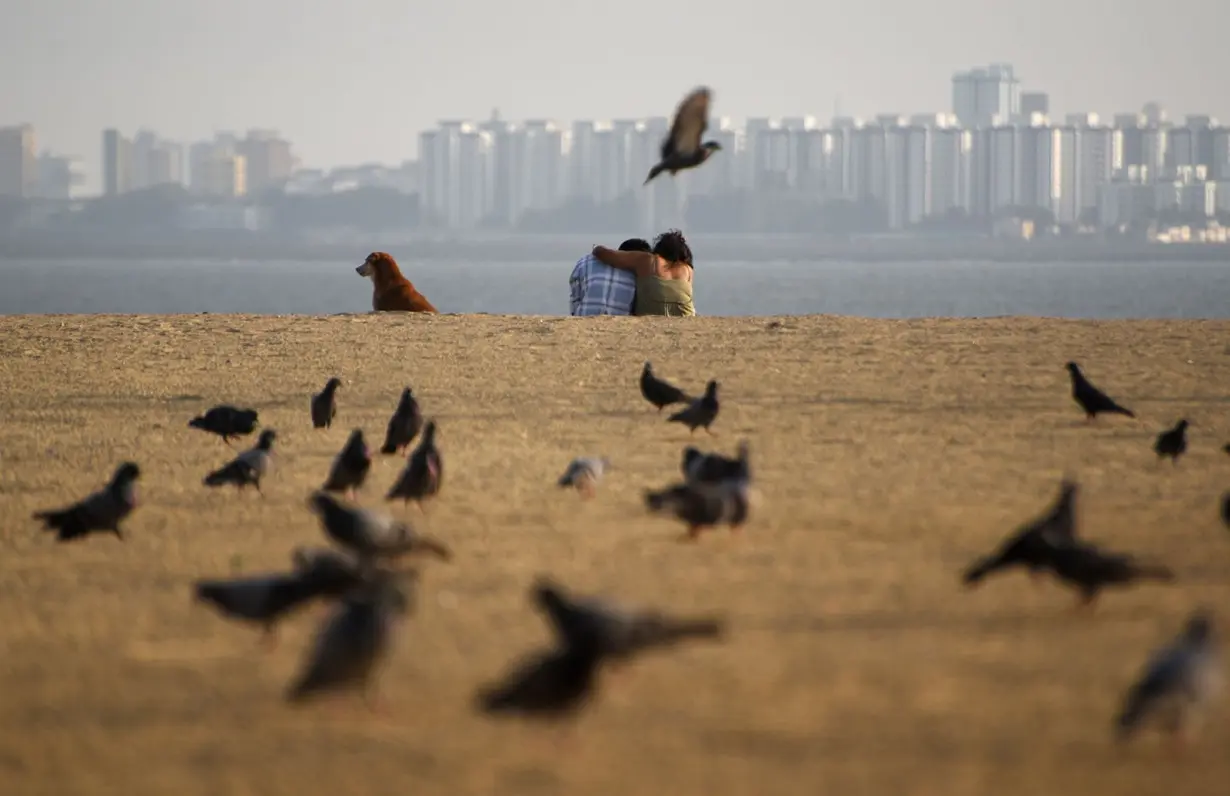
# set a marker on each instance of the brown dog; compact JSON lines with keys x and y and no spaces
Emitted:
{"x":393,"y":292}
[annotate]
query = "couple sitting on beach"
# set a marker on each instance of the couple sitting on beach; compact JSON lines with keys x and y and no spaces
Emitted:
{"x":635,"y":280}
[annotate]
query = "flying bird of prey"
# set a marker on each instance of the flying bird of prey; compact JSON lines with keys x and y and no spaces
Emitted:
{"x":227,"y":422}
{"x":1090,"y":398}
{"x":1032,"y":545}
{"x":584,"y":473}
{"x":1177,"y":684}
{"x":659,"y":392}
{"x":1172,"y":442}
{"x":350,"y":466}
{"x":701,"y":413}
{"x":101,"y":511}
{"x":248,"y":467}
{"x":420,"y":478}
{"x":682,"y":148}
{"x":404,"y":425}
{"x":324,"y":404}
{"x":351,"y":644}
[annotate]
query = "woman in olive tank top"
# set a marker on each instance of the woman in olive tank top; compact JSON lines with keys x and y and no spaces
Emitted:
{"x":663,"y":276}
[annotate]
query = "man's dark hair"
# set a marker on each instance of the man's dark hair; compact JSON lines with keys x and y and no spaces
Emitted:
{"x":672,"y":247}
{"x":634,"y":245}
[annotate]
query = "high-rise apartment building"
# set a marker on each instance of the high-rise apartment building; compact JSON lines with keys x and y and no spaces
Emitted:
{"x":18,"y":161}
{"x":986,"y":97}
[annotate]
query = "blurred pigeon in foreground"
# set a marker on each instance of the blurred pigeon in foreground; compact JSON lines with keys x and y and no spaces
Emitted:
{"x":354,"y":640}
{"x":324,"y":404}
{"x":370,"y":534}
{"x":1090,"y":398}
{"x":714,"y":468}
{"x":1088,"y":569}
{"x":616,"y":632}
{"x":227,"y":422}
{"x":1031,"y":545}
{"x":420,"y":479}
{"x":585,"y":473}
{"x":101,"y":511}
{"x":1172,"y":442}
{"x":550,"y":684}
{"x":269,"y":597}
{"x":404,"y":425}
{"x":1177,"y":683}
{"x":658,"y":392}
{"x":701,"y":412}
{"x":703,"y":506}
{"x":682,"y":147}
{"x":248,"y":467}
{"x":350,"y":466}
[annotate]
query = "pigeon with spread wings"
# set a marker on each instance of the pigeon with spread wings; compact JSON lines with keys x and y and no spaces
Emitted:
{"x":682,"y":148}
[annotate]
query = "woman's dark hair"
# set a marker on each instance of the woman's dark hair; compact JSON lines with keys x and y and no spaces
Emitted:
{"x":672,"y":247}
{"x":634,"y":245}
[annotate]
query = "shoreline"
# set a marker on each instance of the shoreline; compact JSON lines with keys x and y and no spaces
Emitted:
{"x":527,"y":248}
{"x":886,"y":455}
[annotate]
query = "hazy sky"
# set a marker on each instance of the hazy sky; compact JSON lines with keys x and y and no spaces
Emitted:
{"x":355,"y":80}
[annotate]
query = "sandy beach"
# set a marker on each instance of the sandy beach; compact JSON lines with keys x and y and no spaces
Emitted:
{"x":887,"y":455}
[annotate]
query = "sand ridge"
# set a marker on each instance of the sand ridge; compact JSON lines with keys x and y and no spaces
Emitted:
{"x":887,"y":455}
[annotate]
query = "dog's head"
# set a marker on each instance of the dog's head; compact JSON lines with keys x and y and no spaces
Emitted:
{"x":377,"y":264}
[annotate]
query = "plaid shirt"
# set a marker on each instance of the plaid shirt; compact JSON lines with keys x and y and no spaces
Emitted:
{"x":595,"y":288}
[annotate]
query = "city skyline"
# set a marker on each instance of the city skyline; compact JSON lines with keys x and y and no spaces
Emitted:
{"x":355,"y":85}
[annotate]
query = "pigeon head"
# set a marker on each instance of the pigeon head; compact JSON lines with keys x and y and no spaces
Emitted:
{"x":546,"y":592}
{"x":248,"y":415}
{"x":266,"y":439}
{"x":690,"y":454}
{"x":648,"y":368}
{"x":333,"y":384}
{"x":1199,"y":626}
{"x":1073,"y":368}
{"x":126,"y":472}
{"x":1182,"y":425}
{"x":429,"y":433}
{"x":323,"y":503}
{"x":711,"y":146}
{"x":711,"y":389}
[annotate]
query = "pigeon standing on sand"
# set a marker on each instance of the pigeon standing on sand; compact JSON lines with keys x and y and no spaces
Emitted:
{"x":714,"y":468}
{"x":371,"y":534}
{"x":101,"y":511}
{"x":354,"y":641}
{"x":1172,"y":442}
{"x":420,"y":479}
{"x":248,"y":467}
{"x":265,"y":599}
{"x":658,"y":392}
{"x":701,"y":412}
{"x":1089,"y":570}
{"x":227,"y":422}
{"x":1031,"y":545}
{"x":404,"y":425}
{"x":618,"y":633}
{"x":585,"y":473}
{"x":324,"y":404}
{"x":682,"y":148}
{"x":1176,"y":685}
{"x":350,"y":466}
{"x":1090,"y":398}
{"x":703,"y":506}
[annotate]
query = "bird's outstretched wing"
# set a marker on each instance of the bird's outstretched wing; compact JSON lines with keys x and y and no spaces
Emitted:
{"x":691,"y":121}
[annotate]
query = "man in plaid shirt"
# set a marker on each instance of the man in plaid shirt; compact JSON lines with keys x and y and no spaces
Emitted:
{"x":598,"y":289}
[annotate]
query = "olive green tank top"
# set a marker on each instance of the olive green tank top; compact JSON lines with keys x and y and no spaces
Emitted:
{"x":658,"y":296}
